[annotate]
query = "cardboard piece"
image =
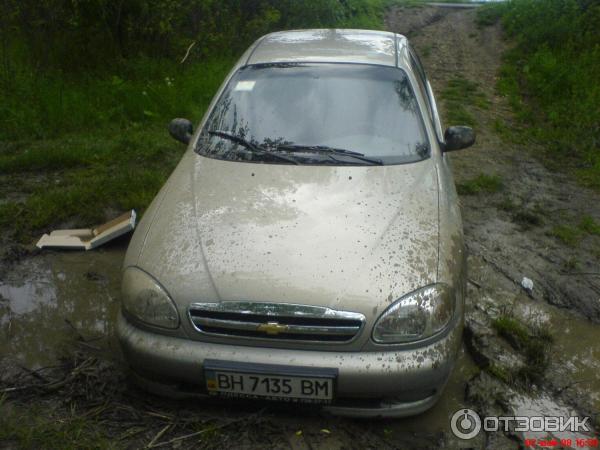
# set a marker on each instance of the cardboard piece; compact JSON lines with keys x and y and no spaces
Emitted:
{"x":88,"y":238}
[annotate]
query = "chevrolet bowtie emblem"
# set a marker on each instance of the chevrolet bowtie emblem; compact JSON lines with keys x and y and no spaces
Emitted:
{"x":271,"y":328}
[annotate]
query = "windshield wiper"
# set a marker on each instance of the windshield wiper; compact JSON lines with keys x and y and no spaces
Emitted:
{"x":329,"y":151}
{"x":254,"y":148}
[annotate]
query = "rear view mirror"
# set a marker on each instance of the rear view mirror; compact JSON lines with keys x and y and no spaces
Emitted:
{"x":181,"y":130}
{"x":458,"y":137}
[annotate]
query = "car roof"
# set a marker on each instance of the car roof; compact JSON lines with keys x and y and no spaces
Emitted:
{"x":330,"y":45}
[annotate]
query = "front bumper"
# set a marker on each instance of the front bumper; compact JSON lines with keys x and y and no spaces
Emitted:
{"x":392,"y":383}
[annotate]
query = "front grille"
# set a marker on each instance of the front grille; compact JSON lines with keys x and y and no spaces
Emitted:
{"x":276,"y":321}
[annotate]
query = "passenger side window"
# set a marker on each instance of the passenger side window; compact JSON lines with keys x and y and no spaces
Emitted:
{"x":422,"y":82}
{"x":421,"y":79}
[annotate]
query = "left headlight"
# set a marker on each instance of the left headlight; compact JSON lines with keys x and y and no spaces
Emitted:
{"x":416,"y":316}
{"x":146,"y":299}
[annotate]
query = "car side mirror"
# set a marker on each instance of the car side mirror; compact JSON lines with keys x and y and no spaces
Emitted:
{"x":181,"y":130}
{"x":458,"y":137}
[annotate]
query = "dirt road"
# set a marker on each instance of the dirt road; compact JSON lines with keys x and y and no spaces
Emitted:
{"x":52,"y":300}
{"x":511,"y":230}
{"x":496,"y":224}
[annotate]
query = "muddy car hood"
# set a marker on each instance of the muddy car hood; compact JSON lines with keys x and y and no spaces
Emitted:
{"x":351,"y":238}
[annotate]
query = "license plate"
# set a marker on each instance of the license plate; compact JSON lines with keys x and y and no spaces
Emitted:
{"x":270,"y":382}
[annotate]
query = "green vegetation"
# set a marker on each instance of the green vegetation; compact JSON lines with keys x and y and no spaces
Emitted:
{"x":104,"y":145}
{"x":72,"y":69}
{"x":589,"y":225}
{"x":480,"y":184}
{"x":571,"y":235}
{"x":85,"y":401}
{"x":38,"y":429}
{"x":489,"y":14}
{"x":526,"y":216}
{"x":512,"y":330}
{"x":459,"y":95}
{"x":551,"y":78}
{"x":42,"y":105}
{"x":570,"y":264}
{"x":87,"y":89}
{"x":566,"y":234}
{"x":501,"y":373}
{"x":527,"y":219}
{"x":507,"y":204}
{"x":410,"y":3}
{"x":77,"y":176}
{"x":533,"y":341}
{"x":421,"y":3}
{"x":425,"y":51}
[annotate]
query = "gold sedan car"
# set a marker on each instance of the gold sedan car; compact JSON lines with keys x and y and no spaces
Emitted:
{"x":308,"y":247}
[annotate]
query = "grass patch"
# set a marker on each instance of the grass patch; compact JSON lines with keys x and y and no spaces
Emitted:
{"x":489,"y":14}
{"x":566,"y":234}
{"x":38,"y":428}
{"x":481,"y":184}
{"x":87,"y":148}
{"x":512,"y":330}
{"x":460,"y":88}
{"x":142,"y":91}
{"x":79,"y":144}
{"x":550,"y":79}
{"x":410,"y":3}
{"x":85,"y":402}
{"x":570,"y":264}
{"x":508,"y":205}
{"x":459,"y":96}
{"x":425,"y":51}
{"x":83,"y":176}
{"x":527,"y":219}
{"x":533,"y":341}
{"x":589,"y":225}
{"x":458,"y":114}
{"x":425,"y":2}
{"x":501,"y":373}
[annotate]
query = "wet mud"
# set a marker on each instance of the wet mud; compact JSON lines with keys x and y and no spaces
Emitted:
{"x":48,"y":300}
{"x":59,"y":302}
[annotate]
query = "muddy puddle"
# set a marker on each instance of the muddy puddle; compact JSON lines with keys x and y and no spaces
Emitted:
{"x":49,"y":300}
{"x":570,"y":385}
{"x":575,"y":354}
{"x":437,"y":419}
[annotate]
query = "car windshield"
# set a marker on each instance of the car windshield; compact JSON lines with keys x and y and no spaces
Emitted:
{"x":316,"y":114}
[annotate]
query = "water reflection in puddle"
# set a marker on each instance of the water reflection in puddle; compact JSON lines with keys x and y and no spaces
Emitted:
{"x":453,"y":398}
{"x":41,"y":296}
{"x":576,"y":353}
{"x":47,"y":300}
{"x":42,"y":293}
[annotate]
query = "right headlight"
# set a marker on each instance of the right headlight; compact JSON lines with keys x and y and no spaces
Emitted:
{"x":146,"y":299}
{"x":416,"y":316}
